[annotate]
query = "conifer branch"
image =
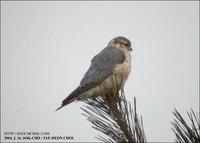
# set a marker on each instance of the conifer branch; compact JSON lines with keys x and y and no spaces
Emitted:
{"x":114,"y":117}
{"x":185,"y":132}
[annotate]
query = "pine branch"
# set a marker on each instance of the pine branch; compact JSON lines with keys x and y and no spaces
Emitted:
{"x":114,"y":117}
{"x":185,"y":132}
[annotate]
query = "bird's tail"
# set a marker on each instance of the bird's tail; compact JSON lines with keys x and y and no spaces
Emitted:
{"x":75,"y":95}
{"x":67,"y":101}
{"x":72,"y":97}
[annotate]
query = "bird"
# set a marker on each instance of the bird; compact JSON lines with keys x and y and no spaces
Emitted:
{"x":108,"y":72}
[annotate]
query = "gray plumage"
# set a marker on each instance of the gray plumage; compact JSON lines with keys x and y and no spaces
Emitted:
{"x":114,"y":60}
{"x":102,"y":65}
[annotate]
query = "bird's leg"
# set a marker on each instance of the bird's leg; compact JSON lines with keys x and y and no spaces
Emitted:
{"x":113,"y":90}
{"x":122,"y":95}
{"x":117,"y":96}
{"x":122,"y":91}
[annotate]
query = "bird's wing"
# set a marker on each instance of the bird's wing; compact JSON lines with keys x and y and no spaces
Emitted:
{"x":101,"y":67}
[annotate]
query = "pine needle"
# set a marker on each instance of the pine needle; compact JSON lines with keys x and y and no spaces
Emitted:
{"x":185,"y":132}
{"x":114,"y":117}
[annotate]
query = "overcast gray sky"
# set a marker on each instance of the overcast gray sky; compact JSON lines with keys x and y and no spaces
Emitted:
{"x":47,"y":47}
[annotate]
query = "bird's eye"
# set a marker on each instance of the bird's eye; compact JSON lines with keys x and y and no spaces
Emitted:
{"x":126,"y":44}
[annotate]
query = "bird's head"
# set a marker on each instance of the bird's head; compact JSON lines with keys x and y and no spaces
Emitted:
{"x":120,"y":43}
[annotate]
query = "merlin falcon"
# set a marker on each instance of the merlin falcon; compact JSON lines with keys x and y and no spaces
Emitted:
{"x":107,"y":73}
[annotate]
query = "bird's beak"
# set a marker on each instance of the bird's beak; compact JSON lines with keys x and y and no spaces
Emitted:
{"x":130,"y":49}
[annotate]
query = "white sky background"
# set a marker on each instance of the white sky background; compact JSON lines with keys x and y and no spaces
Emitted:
{"x":47,"y":47}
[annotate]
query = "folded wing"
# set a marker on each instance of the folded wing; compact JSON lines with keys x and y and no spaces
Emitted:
{"x":102,"y":65}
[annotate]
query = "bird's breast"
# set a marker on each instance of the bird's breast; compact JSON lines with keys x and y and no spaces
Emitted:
{"x":123,"y":70}
{"x":117,"y":79}
{"x":125,"y":67}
